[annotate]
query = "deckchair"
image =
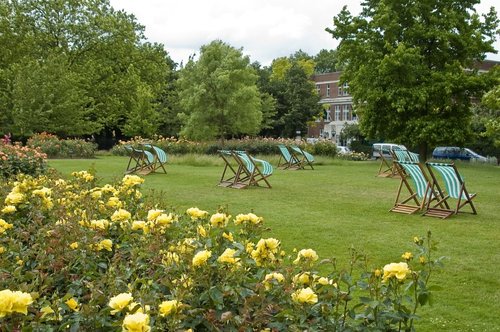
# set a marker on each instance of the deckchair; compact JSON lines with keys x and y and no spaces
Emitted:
{"x":400,"y":155}
{"x":454,"y":188}
{"x":303,"y":156}
{"x":420,"y":194}
{"x":290,"y":161}
{"x":159,"y":157}
{"x":231,"y":170}
{"x":252,"y":171}
{"x":140,"y":161}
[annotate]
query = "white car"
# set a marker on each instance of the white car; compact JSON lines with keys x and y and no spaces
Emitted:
{"x":343,"y":150}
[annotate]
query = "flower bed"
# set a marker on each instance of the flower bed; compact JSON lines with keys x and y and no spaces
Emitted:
{"x":55,"y":147}
{"x":16,"y":159}
{"x":76,"y":256}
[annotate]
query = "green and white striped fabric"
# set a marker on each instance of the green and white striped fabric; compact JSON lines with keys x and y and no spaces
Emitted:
{"x":419,"y":180}
{"x":266,"y":169}
{"x":414,"y":157}
{"x":452,"y":183}
{"x":162,"y":156}
{"x":402,"y":155}
{"x":309,"y":157}
{"x":286,"y":154}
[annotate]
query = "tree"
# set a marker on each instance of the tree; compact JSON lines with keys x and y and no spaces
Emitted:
{"x":326,"y":61}
{"x":218,"y":94}
{"x":77,"y":67}
{"x":407,"y":66}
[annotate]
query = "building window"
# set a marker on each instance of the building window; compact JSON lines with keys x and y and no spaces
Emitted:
{"x":318,"y":89}
{"x":328,"y":116}
{"x":346,"y":112}
{"x":344,"y":89}
{"x":337,"y":112}
{"x":328,"y":89}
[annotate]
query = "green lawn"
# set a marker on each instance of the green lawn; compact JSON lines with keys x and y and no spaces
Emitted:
{"x":342,"y":204}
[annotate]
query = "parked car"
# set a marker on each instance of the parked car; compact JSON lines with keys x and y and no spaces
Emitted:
{"x":385,"y":149}
{"x":454,"y":153}
{"x":343,"y":150}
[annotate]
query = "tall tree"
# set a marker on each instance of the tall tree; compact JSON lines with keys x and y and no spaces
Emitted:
{"x":407,"y":66}
{"x":77,"y":67}
{"x":326,"y":61}
{"x":218,"y":94}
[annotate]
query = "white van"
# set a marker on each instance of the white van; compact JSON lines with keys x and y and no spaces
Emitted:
{"x":385,"y":149}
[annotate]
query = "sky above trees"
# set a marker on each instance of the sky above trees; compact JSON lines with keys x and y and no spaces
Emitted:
{"x":265,"y":29}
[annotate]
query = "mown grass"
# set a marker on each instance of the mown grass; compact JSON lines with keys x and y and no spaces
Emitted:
{"x":343,"y":204}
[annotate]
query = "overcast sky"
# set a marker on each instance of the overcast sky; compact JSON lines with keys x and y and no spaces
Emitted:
{"x":265,"y":29}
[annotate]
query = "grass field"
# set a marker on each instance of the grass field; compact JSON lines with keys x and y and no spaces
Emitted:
{"x":342,"y":204}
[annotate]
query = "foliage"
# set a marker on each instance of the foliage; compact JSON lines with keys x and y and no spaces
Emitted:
{"x":218,"y":94}
{"x":87,"y":257}
{"x":76,"y":68}
{"x":261,"y":146}
{"x":54,"y":147}
{"x":491,"y":100}
{"x":16,"y":159}
{"x":405,"y":63}
{"x":326,"y":62}
{"x":355,"y":156}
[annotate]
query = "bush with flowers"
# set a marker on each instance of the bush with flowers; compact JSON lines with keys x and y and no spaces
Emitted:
{"x":263,"y":146}
{"x":55,"y":147}
{"x":81,"y":257}
{"x":16,"y":159}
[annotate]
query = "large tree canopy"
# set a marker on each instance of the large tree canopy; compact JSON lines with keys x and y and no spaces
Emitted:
{"x":77,"y":67}
{"x":407,"y":63}
{"x":218,"y":94}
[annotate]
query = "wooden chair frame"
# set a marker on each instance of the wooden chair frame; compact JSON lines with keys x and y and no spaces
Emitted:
{"x":250,"y":174}
{"x":140,"y":161}
{"x":303,"y":156}
{"x":290,"y":160}
{"x":159,"y":157}
{"x":455,"y":188}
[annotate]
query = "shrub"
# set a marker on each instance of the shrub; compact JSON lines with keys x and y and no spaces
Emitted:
{"x":62,"y":148}
{"x":355,"y":156}
{"x":16,"y":159}
{"x":254,"y":146}
{"x":76,"y":256}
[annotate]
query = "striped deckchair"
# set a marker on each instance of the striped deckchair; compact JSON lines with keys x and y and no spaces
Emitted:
{"x":231,"y":168}
{"x":454,"y":187}
{"x":303,"y":156}
{"x":420,"y":194}
{"x":160,"y":157}
{"x":252,"y":172}
{"x":140,"y":161}
{"x":288,"y":160}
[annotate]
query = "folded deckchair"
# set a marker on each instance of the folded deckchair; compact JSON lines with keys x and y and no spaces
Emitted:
{"x":288,"y":160}
{"x":418,"y":195}
{"x":231,"y":168}
{"x":252,"y":172}
{"x":140,"y":161}
{"x":454,"y":188}
{"x":159,"y":157}
{"x":303,"y":156}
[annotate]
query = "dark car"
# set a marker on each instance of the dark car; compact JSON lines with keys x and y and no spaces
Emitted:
{"x":454,"y":152}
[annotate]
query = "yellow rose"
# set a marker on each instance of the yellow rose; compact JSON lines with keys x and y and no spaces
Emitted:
{"x":305,"y":295}
{"x":201,"y":231}
{"x":201,"y":257}
{"x":164,"y":219}
{"x":72,"y":304}
{"x":229,"y":236}
{"x":14,"y":198}
{"x":9,"y":209}
{"x":196,"y":213}
{"x":2,"y":250}
{"x":307,"y":255}
{"x":169,"y":307}
{"x":228,"y":257}
{"x":153,"y":214}
{"x":120,"y":301}
{"x":398,"y":270}
{"x":74,"y":245}
{"x":121,"y":215}
{"x":4,"y":226}
{"x":105,"y":244}
{"x":219,"y":220}
{"x":407,"y":256}
{"x":131,"y":180}
{"x":138,"y":322}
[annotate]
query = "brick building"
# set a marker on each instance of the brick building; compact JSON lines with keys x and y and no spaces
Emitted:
{"x":338,"y":110}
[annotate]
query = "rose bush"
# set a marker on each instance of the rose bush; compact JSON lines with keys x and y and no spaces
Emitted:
{"x":16,"y":159}
{"x":81,"y":257}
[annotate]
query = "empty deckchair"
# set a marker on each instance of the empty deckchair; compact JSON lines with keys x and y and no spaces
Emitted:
{"x":288,"y":160}
{"x":140,"y":161}
{"x":418,"y":195}
{"x":253,"y":171}
{"x":303,"y":156}
{"x":386,"y":169}
{"x":400,"y":155}
{"x":231,"y":168}
{"x":159,"y":157}
{"x":454,"y":187}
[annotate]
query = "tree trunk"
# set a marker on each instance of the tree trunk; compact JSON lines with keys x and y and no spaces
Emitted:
{"x":422,"y":150}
